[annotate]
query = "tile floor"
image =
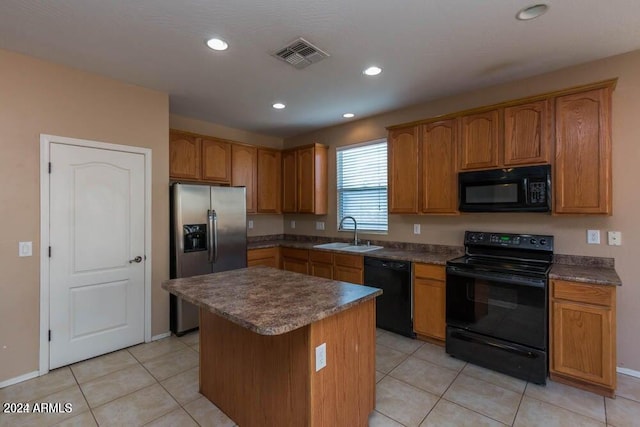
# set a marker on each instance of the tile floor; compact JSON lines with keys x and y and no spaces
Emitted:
{"x":156,"y":384}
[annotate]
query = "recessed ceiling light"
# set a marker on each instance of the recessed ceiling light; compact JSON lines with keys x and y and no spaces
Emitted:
{"x":348,"y":115}
{"x":532,"y":12}
{"x":279,"y":105}
{"x":372,"y":71}
{"x":217,"y":44}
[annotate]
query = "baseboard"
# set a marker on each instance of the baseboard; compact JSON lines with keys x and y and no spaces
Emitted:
{"x":16,"y":380}
{"x":160,"y":336}
{"x":629,"y":372}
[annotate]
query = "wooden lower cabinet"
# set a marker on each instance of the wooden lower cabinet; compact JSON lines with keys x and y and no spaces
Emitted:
{"x":582,"y":329}
{"x":429,"y":297}
{"x":268,"y":257}
{"x":348,"y":268}
{"x":321,"y":264}
{"x":296,"y":260}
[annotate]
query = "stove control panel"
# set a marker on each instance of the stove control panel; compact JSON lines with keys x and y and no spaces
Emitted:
{"x":520,"y":241}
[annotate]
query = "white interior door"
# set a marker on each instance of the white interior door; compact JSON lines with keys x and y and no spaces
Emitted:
{"x":96,"y":298}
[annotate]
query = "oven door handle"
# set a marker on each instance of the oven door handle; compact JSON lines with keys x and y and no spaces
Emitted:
{"x":536,"y":283}
{"x":499,"y":346}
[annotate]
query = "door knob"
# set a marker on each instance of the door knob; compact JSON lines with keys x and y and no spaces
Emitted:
{"x":136,"y":259}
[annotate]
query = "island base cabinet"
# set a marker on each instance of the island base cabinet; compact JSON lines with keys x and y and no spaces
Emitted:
{"x":271,"y":380}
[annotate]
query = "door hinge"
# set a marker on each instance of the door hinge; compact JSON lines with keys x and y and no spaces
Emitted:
{"x":49,"y":167}
{"x":49,"y":251}
{"x":49,"y":335}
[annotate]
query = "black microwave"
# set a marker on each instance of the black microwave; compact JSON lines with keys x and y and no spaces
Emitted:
{"x":524,"y":189}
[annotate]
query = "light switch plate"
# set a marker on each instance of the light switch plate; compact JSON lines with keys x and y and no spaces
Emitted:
{"x":292,"y":224}
{"x":25,"y":249}
{"x":321,"y":356}
{"x":615,"y":238}
{"x":319,"y":225}
{"x":250,"y":224}
{"x":416,"y":228}
{"x":593,"y":237}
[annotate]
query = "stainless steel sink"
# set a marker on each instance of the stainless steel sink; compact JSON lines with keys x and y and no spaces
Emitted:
{"x":340,"y":246}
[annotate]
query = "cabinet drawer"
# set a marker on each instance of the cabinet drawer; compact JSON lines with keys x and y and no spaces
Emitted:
{"x":320,"y":256}
{"x":578,"y":292}
{"x":429,"y":271}
{"x":256,"y":254}
{"x":301,"y":254}
{"x":344,"y":260}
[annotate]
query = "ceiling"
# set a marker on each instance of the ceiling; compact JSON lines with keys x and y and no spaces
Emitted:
{"x":427,"y":48}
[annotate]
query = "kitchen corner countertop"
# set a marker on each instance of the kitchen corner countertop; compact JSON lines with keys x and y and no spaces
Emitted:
{"x":269,"y":301}
{"x":585,"y":274}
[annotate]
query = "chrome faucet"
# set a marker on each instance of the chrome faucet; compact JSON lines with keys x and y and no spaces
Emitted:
{"x":355,"y":228}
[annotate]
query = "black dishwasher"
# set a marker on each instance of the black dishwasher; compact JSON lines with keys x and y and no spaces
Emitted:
{"x":393,"y":307}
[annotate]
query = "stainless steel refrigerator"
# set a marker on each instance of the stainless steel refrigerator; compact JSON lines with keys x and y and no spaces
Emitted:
{"x":208,"y":235}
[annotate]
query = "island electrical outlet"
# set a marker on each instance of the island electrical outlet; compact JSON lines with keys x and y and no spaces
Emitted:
{"x":321,"y":356}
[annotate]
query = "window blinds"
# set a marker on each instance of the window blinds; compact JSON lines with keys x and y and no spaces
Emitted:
{"x":362,"y":186}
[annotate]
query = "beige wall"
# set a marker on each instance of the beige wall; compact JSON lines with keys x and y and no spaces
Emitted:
{"x":569,"y":232}
{"x":262,"y":224}
{"x":41,"y":97}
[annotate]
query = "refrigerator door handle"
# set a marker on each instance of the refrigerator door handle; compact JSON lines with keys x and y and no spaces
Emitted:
{"x":213,"y":235}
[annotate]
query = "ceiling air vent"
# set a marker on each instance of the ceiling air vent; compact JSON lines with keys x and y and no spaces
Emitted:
{"x":300,"y":53}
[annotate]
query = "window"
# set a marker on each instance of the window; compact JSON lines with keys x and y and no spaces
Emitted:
{"x":362,"y":186}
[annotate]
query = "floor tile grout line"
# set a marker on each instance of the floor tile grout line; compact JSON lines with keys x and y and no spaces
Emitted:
{"x":571,"y":410}
{"x":84,"y":396}
{"x":515,"y":417}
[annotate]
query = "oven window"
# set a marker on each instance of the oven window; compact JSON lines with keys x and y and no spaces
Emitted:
{"x":483,"y":293}
{"x":500,"y":193}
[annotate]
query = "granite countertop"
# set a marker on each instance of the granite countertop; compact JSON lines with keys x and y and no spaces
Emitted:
{"x":269,"y":301}
{"x":598,"y":271}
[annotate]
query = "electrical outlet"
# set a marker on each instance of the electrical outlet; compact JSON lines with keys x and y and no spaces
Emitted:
{"x":319,"y":225}
{"x":25,"y":249}
{"x":321,"y":356}
{"x":250,"y":225}
{"x":593,"y":237}
{"x":416,"y":228}
{"x":292,"y":224}
{"x":615,"y":238}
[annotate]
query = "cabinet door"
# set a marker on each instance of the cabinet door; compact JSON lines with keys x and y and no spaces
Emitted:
{"x":321,"y":269}
{"x":438,"y":172}
{"x":582,"y":342}
{"x":306,"y":183}
{"x":289,"y":181}
{"x":296,"y":265}
{"x":348,"y":274}
{"x":244,"y":170}
{"x":479,"y":140}
{"x":267,"y":257}
{"x":429,"y":308}
{"x":268,"y":181}
{"x":582,"y":178}
{"x":184,"y":156}
{"x":402,"y":149}
{"x":216,"y":161}
{"x":527,"y":138}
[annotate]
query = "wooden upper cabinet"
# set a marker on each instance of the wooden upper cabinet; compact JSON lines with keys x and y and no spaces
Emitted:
{"x":184,"y":156}
{"x":304,"y":180}
{"x":268,"y":181}
{"x":438,"y":171}
{"x":402,"y":148}
{"x":289,"y":181}
{"x":527,"y":138}
{"x":582,"y":178}
{"x":216,"y":161}
{"x":244,"y":172}
{"x":479,"y":140}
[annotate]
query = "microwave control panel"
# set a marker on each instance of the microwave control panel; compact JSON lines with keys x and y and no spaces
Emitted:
{"x":537,"y":193}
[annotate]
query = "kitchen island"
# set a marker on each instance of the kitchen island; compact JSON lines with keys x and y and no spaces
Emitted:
{"x":260,"y":330}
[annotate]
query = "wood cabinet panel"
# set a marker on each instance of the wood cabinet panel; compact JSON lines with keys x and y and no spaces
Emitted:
{"x":289,"y":182}
{"x":429,"y":271}
{"x":321,"y":256}
{"x":244,"y":167}
{"x":527,"y":134}
{"x":305,"y":180}
{"x":403,"y":148}
{"x":582,"y":179}
{"x":268,"y":182}
{"x":438,"y":171}
{"x":479,"y":140}
{"x":295,"y":265}
{"x":348,"y":274}
{"x":216,"y":161}
{"x":184,"y":156}
{"x":346,"y":260}
{"x":583,"y":336}
{"x":268,"y":257}
{"x":429,"y":314}
{"x":321,"y":269}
